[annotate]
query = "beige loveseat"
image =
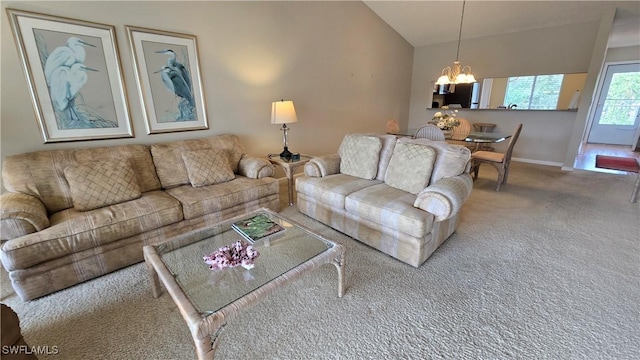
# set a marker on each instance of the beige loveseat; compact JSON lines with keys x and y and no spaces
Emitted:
{"x":400,"y":196}
{"x":73,"y":215}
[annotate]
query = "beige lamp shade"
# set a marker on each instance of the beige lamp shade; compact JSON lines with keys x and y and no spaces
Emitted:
{"x":283,"y":112}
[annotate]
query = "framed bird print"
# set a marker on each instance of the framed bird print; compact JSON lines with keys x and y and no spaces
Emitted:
{"x":74,"y":76}
{"x":168,"y":77}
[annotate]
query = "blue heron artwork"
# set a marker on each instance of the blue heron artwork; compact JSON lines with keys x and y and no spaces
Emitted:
{"x":177,"y":80}
{"x":66,"y":75}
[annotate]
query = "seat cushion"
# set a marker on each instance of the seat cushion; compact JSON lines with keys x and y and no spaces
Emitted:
{"x":72,"y":231}
{"x":390,"y":207}
{"x":488,"y":156}
{"x":332,"y":190}
{"x":207,"y":199}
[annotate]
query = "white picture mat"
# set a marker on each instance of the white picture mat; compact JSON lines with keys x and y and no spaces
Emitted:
{"x":26,"y":24}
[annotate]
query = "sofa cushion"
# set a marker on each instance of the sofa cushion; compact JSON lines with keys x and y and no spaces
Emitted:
{"x":451,"y":160}
{"x":102,"y":183}
{"x":207,"y":167}
{"x":388,"y":144}
{"x":41,"y":173}
{"x":359,"y":155}
{"x":170,"y":166}
{"x":332,"y":190}
{"x":390,"y":207}
{"x":410,"y":167}
{"x":213,"y":198}
{"x":72,"y":231}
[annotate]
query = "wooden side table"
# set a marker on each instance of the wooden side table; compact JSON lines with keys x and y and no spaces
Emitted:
{"x":289,"y":166}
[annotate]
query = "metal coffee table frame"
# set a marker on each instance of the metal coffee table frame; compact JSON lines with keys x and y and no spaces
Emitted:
{"x":205,"y":328}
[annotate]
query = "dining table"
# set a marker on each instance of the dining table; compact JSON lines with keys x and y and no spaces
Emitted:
{"x":483,"y":139}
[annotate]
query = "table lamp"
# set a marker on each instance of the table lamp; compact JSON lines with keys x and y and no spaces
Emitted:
{"x":283,"y":112}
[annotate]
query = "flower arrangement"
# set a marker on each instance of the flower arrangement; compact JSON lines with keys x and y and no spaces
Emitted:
{"x":240,"y":253}
{"x":445,"y":119}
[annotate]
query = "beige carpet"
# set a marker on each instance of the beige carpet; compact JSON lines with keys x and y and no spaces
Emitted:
{"x":547,"y":268}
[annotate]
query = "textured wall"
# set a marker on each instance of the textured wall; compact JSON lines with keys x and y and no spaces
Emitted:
{"x":345,"y":69}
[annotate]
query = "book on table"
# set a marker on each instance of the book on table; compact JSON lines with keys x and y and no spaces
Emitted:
{"x":256,"y":228}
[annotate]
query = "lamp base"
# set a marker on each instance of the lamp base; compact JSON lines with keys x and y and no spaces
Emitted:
{"x":286,"y":154}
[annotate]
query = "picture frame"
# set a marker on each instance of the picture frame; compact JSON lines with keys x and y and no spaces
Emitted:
{"x":74,"y":76}
{"x":168,"y":79}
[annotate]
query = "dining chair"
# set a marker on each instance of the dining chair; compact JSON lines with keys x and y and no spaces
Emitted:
{"x":501,"y":161}
{"x":636,"y":190}
{"x":460,"y":132}
{"x":429,"y":131}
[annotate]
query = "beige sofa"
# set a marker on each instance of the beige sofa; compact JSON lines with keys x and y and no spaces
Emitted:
{"x":400,"y":196}
{"x":73,"y":215}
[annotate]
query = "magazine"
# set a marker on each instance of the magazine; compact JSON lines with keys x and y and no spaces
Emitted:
{"x":257,"y":227}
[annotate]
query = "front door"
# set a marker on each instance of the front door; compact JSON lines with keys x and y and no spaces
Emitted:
{"x":617,"y":115}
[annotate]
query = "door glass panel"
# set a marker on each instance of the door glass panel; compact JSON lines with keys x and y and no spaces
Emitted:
{"x":623,"y":100}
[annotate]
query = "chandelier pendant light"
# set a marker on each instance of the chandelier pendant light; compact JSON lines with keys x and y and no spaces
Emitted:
{"x":457,"y":74}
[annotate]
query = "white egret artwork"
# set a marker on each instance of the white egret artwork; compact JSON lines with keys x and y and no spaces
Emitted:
{"x":66,"y":74}
{"x":72,"y":53}
{"x":74,"y":75}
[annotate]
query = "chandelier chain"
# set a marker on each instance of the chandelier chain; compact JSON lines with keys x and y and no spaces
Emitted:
{"x":460,"y":32}
{"x":457,"y":74}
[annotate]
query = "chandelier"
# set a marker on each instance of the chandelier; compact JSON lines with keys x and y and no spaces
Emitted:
{"x":457,"y":74}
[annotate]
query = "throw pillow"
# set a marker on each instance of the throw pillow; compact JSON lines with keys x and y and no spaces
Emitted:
{"x":359,"y":155}
{"x":207,"y":167}
{"x":410,"y":167}
{"x":451,"y":160}
{"x":102,"y":183}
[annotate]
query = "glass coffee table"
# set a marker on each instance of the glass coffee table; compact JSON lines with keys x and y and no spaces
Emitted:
{"x":208,"y":299}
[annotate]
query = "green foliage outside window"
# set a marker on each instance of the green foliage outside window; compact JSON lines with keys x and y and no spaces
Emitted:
{"x":623,"y":100}
{"x":534,"y":92}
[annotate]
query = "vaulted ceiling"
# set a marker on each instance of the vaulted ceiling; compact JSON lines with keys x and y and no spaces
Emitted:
{"x":424,"y":23}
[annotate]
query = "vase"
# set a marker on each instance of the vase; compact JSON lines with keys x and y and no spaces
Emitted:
{"x":392,"y":127}
{"x":447,"y":133}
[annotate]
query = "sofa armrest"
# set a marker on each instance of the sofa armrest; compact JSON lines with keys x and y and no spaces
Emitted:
{"x":321,"y":166}
{"x":445,"y":198}
{"x":255,"y":168}
{"x":21,"y":214}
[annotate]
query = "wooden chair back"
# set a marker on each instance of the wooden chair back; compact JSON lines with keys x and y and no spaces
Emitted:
{"x":512,"y":143}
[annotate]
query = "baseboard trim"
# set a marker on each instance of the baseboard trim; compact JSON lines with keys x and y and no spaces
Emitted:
{"x":542,"y":162}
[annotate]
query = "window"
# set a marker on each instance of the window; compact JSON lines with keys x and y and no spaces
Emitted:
{"x":622,"y":100}
{"x":534,"y":92}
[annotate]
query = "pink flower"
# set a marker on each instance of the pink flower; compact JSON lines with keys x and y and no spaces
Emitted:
{"x":239,"y":253}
